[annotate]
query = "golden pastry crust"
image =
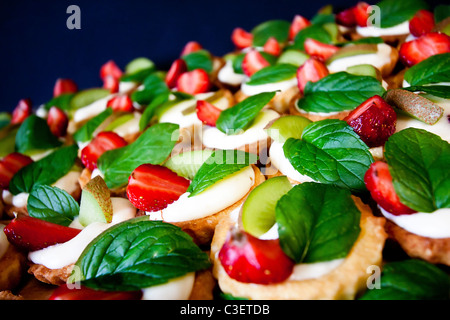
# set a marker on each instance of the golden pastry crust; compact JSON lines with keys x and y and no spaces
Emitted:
{"x":56,"y":277}
{"x":435,"y":251}
{"x":8,"y":295}
{"x":343,"y":283}
{"x":204,"y":285}
{"x":12,"y":268}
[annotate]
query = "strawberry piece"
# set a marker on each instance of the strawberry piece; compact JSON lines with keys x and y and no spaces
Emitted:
{"x":63,"y":292}
{"x":64,"y":86}
{"x":207,"y":113}
{"x":153,"y":187}
{"x":272,"y":46}
{"x":253,"y":61}
{"x":111,"y":83}
{"x":33,"y":234}
{"x":248,"y":259}
{"x":10,"y":165}
{"x":21,"y":111}
{"x":421,"y":23}
{"x":110,"y":68}
{"x":374,"y":121}
{"x":361,"y":14}
{"x":190,"y":47}
{"x":57,"y":121}
{"x":320,"y":50}
{"x":346,"y":18}
{"x":194,"y":82}
{"x":103,"y":141}
{"x":177,"y":68}
{"x":241,"y":38}
{"x":378,"y":181}
{"x":298,"y":23}
{"x":415,"y":51}
{"x":311,"y":70}
{"x":121,"y":102}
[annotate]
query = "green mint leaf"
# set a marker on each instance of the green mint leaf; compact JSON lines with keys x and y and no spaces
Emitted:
{"x":240,"y":116}
{"x":317,"y":222}
{"x":137,"y":254}
{"x":418,"y":162}
{"x":332,"y":153}
{"x":52,"y":204}
{"x":275,"y":73}
{"x":34,"y":134}
{"x":84,"y":133}
{"x":62,"y":101}
{"x":441,"y":12}
{"x":150,"y":109}
{"x":435,"y":69}
{"x":338,"y":92}
{"x":394,"y":12}
{"x":153,"y":146}
{"x":279,"y":29}
{"x":44,"y":171}
{"x":218,"y":166}
{"x":410,"y":280}
{"x":200,"y":59}
{"x":437,"y":91}
{"x":314,"y":31}
{"x":154,"y":85}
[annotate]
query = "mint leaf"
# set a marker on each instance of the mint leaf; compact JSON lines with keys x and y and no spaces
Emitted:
{"x":62,"y":101}
{"x":34,"y":134}
{"x":441,"y":12}
{"x":84,"y":133}
{"x":218,"y":166}
{"x":394,"y":12}
{"x":435,"y":69}
{"x":154,"y":85}
{"x":332,"y":153}
{"x":314,"y":31}
{"x":137,"y":254}
{"x":418,"y":162}
{"x":275,"y":73}
{"x":239,"y":117}
{"x":153,"y":146}
{"x":279,"y":29}
{"x":317,"y":222}
{"x":339,"y":92}
{"x":52,"y":204}
{"x":200,"y":59}
{"x":410,"y":280}
{"x":437,"y":91}
{"x":150,"y":109}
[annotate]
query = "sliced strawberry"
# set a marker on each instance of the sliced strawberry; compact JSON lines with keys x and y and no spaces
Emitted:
{"x":110,"y":68}
{"x":111,"y":83}
{"x":10,"y":165}
{"x":298,"y":23}
{"x":253,"y":61}
{"x":318,"y":49}
{"x":194,"y":82}
{"x":272,"y":46}
{"x":361,"y":13}
{"x":241,"y":38}
{"x":421,"y":23}
{"x":64,"y":86}
{"x":57,"y":121}
{"x":430,"y":44}
{"x":120,"y":102}
{"x":33,"y":234}
{"x":346,"y":18}
{"x":153,"y":187}
{"x":103,"y":141}
{"x":207,"y":113}
{"x":248,"y":259}
{"x":374,"y":121}
{"x":21,"y":111}
{"x":177,"y":68}
{"x":311,"y":70}
{"x":63,"y":292}
{"x":378,"y":181}
{"x":190,"y":47}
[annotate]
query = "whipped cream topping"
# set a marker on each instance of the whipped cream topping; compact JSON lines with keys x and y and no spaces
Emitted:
{"x":176,"y":289}
{"x":251,"y":90}
{"x":92,"y":109}
{"x":373,"y":31}
{"x":227,"y":75}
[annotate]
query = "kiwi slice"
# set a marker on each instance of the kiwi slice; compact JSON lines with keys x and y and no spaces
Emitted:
{"x":87,"y":96}
{"x":119,"y":121}
{"x":138,"y":64}
{"x":258,"y":211}
{"x":353,"y":50}
{"x":95,"y":203}
{"x":294,"y":57}
{"x":186,"y":164}
{"x":287,"y":127}
{"x":365,"y":70}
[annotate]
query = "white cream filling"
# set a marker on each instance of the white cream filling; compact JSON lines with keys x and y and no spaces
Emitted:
{"x":129,"y":127}
{"x":227,"y":75}
{"x":4,"y":243}
{"x":251,"y":90}
{"x":373,"y":31}
{"x":176,"y":289}
{"x":217,"y":197}
{"x":92,"y":109}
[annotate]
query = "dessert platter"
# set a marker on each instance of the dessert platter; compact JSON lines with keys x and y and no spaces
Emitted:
{"x":312,"y":162}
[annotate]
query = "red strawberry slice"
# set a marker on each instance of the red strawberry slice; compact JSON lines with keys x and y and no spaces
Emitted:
{"x":194,"y":82}
{"x":311,"y":70}
{"x":253,"y":61}
{"x":361,"y":13}
{"x":241,"y":38}
{"x":103,"y":141}
{"x":190,"y":47}
{"x":64,"y":292}
{"x":21,"y":111}
{"x":298,"y":23}
{"x":248,"y":259}
{"x":10,"y":165}
{"x":110,"y":68}
{"x":318,"y":49}
{"x":346,"y":18}
{"x":153,"y":187}
{"x":33,"y":234}
{"x":272,"y":46}
{"x":64,"y":86}
{"x":415,"y":51}
{"x":374,"y":121}
{"x":421,"y":23}
{"x":57,"y":121}
{"x":120,"y":102}
{"x":207,"y":112}
{"x":177,"y":68}
{"x":378,"y":181}
{"x":111,"y":83}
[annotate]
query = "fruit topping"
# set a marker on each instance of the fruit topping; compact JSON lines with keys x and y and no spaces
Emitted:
{"x":252,"y":62}
{"x":415,"y":51}
{"x":361,"y":13}
{"x":190,"y":47}
{"x":285,"y":127}
{"x":378,"y":181}
{"x":9,"y":166}
{"x":421,"y":23}
{"x":57,"y":121}
{"x":272,"y":46}
{"x":187,"y":164}
{"x":64,"y":292}
{"x":241,"y":38}
{"x":346,"y":18}
{"x":207,"y":112}
{"x":111,"y":84}
{"x":121,"y":102}
{"x":153,"y":187}
{"x":374,"y":121}
{"x":298,"y":23}
{"x":64,"y":86}
{"x":95,"y":203}
{"x":312,"y":70}
{"x":21,"y":111}
{"x":177,"y":68}
{"x":248,"y":259}
{"x":103,"y":141}
{"x":321,"y":51}
{"x":110,"y":68}
{"x":194,"y":82}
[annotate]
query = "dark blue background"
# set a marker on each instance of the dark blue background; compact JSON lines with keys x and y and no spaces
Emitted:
{"x":36,"y":47}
